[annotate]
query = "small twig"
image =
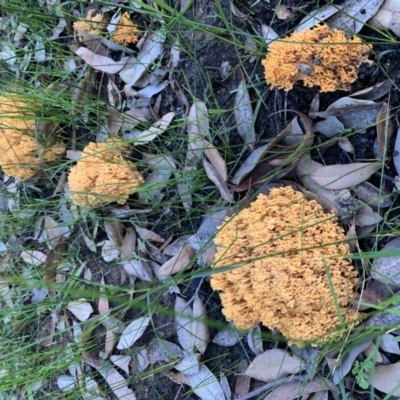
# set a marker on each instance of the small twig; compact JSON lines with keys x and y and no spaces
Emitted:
{"x":271,"y":385}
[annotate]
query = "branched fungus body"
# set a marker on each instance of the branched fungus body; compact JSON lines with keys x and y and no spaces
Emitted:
{"x":126,"y":31}
{"x":318,"y":56}
{"x":102,"y":175}
{"x":292,"y":272}
{"x":94,"y":24}
{"x":22,"y":155}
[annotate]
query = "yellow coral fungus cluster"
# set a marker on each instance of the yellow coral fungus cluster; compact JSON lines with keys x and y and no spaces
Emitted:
{"x":102,"y":175}
{"x":319,"y":57}
{"x":94,"y":23}
{"x":21,"y":154}
{"x":291,"y":258}
{"x":125,"y":31}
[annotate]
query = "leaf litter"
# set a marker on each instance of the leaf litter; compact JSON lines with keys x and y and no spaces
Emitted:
{"x":129,"y":244}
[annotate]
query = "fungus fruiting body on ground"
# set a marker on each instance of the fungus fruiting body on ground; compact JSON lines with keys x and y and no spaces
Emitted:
{"x":318,"y":57}
{"x":102,"y":175}
{"x":94,"y":23}
{"x":292,"y":272}
{"x":21,"y":154}
{"x":125,"y":31}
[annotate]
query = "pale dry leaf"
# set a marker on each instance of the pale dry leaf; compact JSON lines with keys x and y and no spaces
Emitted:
{"x":206,"y":385}
{"x":138,"y":267}
{"x":374,"y":92}
{"x":81,"y":308}
{"x":99,"y":62}
{"x":389,"y":344}
{"x":116,"y":381}
{"x":66,"y":383}
{"x":110,"y":251}
{"x":268,"y":34}
{"x":160,"y":350}
{"x":294,"y":390}
{"x":133,"y":332}
{"x":91,"y":245}
{"x":254,"y":340}
{"x":146,"y":234}
{"x":128,"y":245}
{"x":373,"y":354}
{"x":344,"y":104}
{"x":225,"y":386}
{"x":73,"y":155}
{"x":122,"y":362}
{"x":57,"y":30}
{"x":387,"y":269}
{"x":388,"y":17}
{"x":103,"y":305}
{"x":229,"y":336}
{"x":55,"y":231}
{"x":386,"y":378}
{"x":215,"y":159}
{"x":183,"y":321}
{"x":329,"y":127}
{"x":155,"y":130}
{"x":354,"y":14}
{"x":346,"y":364}
{"x":115,"y":230}
{"x":190,"y":364}
{"x":151,"y":50}
{"x":346,"y":145}
{"x":218,"y":181}
{"x":132,"y":118}
{"x":243,"y":381}
{"x":283,"y":12}
{"x":274,"y":364}
{"x":317,"y":16}
{"x":396,"y":152}
{"x":149,"y":91}
{"x":366,"y":216}
{"x":33,"y":257}
{"x":179,"y":378}
{"x":181,"y":261}
{"x":344,"y":176}
{"x":243,"y":112}
{"x":200,"y":329}
{"x":197,"y":128}
{"x":110,"y":340}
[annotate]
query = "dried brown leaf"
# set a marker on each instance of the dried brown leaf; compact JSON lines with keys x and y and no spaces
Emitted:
{"x":354,"y":14}
{"x":128,"y":245}
{"x":197,"y":129}
{"x":374,"y":92}
{"x":366,"y":216}
{"x":181,"y":261}
{"x":384,"y":130}
{"x":244,"y":115}
{"x":218,"y":181}
{"x":215,"y":159}
{"x":151,"y":50}
{"x":146,"y":234}
{"x":387,"y":269}
{"x":274,"y":364}
{"x":183,"y":321}
{"x":386,"y":378}
{"x":155,"y":130}
{"x":200,"y":329}
{"x":99,"y":62}
{"x":115,"y":230}
{"x":344,"y":176}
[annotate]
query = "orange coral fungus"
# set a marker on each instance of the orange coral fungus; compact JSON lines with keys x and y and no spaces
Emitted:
{"x":318,"y":56}
{"x":21,"y":155}
{"x":291,"y":272}
{"x":102,"y":175}
{"x":94,"y":23}
{"x":125,"y":31}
